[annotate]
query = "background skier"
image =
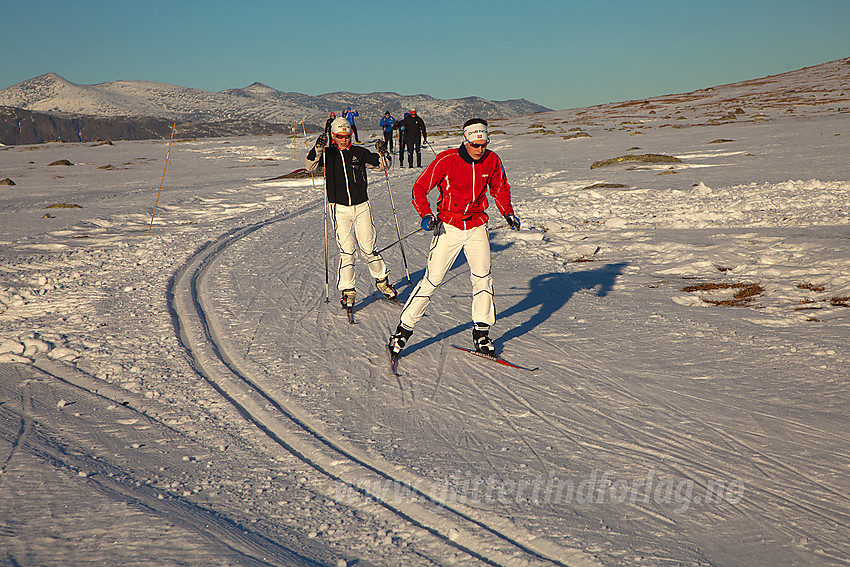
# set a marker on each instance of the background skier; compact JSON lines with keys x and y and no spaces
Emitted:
{"x":414,"y":134}
{"x":350,"y":115}
{"x":400,"y":127}
{"x":328,"y":125}
{"x":387,"y":125}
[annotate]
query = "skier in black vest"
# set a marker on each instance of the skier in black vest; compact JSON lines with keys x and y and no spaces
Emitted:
{"x":349,"y":206}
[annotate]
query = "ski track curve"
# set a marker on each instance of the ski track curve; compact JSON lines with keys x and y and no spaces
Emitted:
{"x":73,"y":469}
{"x":489,"y":538}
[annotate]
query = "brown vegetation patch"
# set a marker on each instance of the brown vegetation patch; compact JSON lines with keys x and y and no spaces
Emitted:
{"x":746,"y":293}
{"x":811,"y":287}
{"x":578,"y":135}
{"x":8,"y":182}
{"x":840,"y":301}
{"x":720,"y":141}
{"x":641,"y":158}
{"x":60,"y":162}
{"x":539,"y":131}
{"x":63,"y":206}
{"x":297,"y":174}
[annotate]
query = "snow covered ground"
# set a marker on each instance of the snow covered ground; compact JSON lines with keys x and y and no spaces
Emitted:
{"x":188,"y":397}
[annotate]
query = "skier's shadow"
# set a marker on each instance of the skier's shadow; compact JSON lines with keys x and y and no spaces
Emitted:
{"x":547,"y":293}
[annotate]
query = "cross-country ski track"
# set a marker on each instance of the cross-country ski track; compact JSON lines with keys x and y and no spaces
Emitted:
{"x":486,"y":537}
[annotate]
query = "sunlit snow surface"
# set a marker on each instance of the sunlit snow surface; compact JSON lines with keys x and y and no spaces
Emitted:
{"x":188,"y":397}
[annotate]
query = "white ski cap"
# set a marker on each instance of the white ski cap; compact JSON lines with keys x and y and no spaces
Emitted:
{"x":476,"y":131}
{"x":340,"y":126}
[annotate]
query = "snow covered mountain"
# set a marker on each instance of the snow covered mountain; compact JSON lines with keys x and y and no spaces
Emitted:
{"x":258,"y":102}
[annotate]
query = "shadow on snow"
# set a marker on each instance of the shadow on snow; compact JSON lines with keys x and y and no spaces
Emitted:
{"x":547,"y":293}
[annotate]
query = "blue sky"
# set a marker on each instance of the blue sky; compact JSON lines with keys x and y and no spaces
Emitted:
{"x":561,"y":54}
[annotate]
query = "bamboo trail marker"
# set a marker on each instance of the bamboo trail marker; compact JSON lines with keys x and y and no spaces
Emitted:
{"x":325,"y":207}
{"x":168,"y":153}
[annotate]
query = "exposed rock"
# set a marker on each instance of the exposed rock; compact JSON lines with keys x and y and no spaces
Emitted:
{"x":642,"y":158}
{"x":18,"y":126}
{"x":60,"y":162}
{"x":606,"y":186}
{"x":8,"y":182}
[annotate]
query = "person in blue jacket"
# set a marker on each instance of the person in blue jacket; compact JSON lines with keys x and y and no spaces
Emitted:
{"x":350,"y":115}
{"x":387,"y":124}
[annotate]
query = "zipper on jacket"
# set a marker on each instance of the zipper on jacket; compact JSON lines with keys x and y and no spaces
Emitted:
{"x":345,"y":175}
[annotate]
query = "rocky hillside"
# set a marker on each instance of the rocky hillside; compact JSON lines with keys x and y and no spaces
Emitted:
{"x":51,"y":93}
{"x":19,"y":126}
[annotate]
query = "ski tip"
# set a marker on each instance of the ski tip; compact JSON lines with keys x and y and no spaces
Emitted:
{"x":393,"y":361}
{"x":496,"y":358}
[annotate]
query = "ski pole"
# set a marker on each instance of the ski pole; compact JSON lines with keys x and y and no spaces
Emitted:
{"x":163,"y":177}
{"x":417,"y":231}
{"x":324,"y":206}
{"x":395,"y":216}
{"x":432,"y":149}
{"x":399,"y":240}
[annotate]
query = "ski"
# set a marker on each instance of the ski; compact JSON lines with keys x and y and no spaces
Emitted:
{"x":495,"y":358}
{"x":393,"y":362}
{"x":394,"y":301}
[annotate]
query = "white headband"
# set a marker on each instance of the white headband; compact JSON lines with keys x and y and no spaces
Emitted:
{"x":476,"y":133}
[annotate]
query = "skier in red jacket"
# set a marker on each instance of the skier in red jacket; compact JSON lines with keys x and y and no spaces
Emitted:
{"x":462,"y":176}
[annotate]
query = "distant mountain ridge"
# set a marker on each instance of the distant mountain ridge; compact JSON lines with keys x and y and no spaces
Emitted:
{"x":48,"y":108}
{"x":256,"y":102}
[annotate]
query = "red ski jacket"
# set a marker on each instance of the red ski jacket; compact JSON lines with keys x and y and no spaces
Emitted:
{"x":463,"y":188}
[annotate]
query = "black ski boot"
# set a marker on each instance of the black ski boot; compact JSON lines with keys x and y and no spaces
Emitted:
{"x":481,"y":340}
{"x":398,"y":340}
{"x":347,"y":300}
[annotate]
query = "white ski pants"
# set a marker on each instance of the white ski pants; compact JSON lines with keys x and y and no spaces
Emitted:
{"x":355,"y":224}
{"x":447,"y":243}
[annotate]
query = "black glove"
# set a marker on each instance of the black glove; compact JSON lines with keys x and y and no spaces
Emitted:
{"x":321,"y":142}
{"x":429,"y":222}
{"x":381,"y":146}
{"x":513,"y":221}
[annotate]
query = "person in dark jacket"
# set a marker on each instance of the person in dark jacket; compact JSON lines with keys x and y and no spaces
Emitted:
{"x":328,"y":125}
{"x":414,"y":135}
{"x":348,"y":202}
{"x":400,"y":127}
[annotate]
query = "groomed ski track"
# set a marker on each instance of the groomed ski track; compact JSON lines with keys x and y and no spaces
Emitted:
{"x":249,"y":308}
{"x":489,"y":538}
